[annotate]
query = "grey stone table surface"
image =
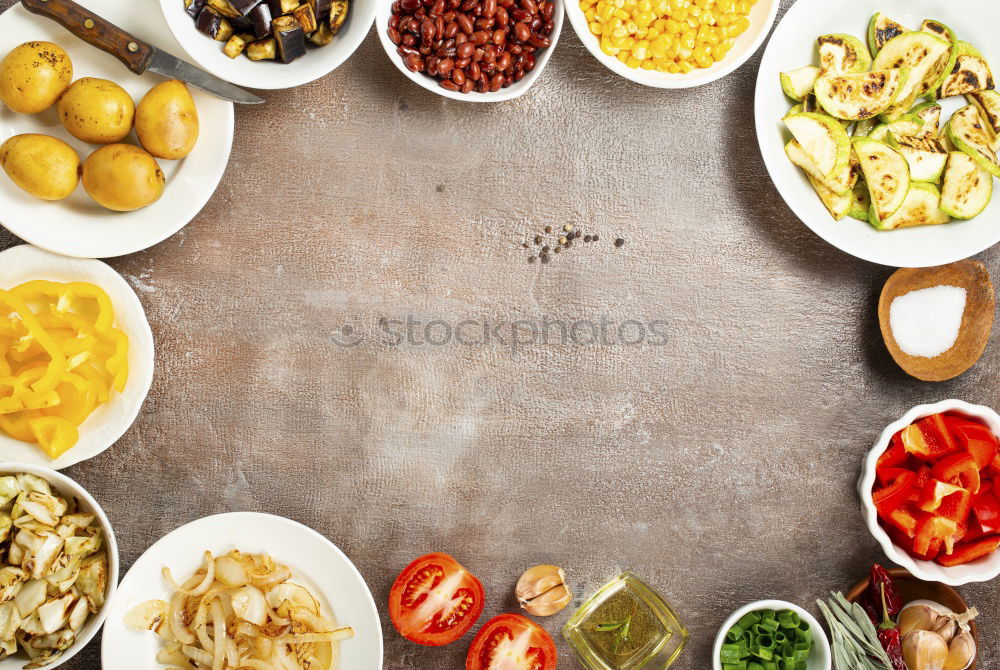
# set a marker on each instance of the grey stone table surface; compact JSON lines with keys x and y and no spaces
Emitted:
{"x":716,"y":458}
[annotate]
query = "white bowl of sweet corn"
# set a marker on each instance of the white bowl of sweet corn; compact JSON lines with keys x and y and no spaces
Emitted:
{"x":672,"y":43}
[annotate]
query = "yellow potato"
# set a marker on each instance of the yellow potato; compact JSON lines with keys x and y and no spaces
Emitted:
{"x":33,"y":76}
{"x":44,"y":166}
{"x":167,"y":121}
{"x":97,"y":111}
{"x":122,"y":177}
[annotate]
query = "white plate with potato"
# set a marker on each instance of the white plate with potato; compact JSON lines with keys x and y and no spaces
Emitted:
{"x":77,"y":225}
{"x":316,"y":564}
{"x":794,"y":45}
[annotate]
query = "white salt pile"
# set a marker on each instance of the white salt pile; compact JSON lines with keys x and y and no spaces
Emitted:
{"x":926,"y":322}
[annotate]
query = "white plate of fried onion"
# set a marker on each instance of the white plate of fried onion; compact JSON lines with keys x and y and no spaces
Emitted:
{"x":242,"y":591}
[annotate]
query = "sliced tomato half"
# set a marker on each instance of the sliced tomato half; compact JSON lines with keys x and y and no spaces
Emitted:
{"x":511,"y":642}
{"x":435,"y":601}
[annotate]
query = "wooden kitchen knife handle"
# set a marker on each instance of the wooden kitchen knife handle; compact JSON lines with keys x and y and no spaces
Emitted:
{"x":95,"y":31}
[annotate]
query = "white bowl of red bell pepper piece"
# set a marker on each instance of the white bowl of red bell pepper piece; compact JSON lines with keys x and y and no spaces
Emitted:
{"x":930,"y":488}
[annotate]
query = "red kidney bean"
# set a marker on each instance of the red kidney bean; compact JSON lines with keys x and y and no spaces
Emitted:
{"x":548,"y":9}
{"x":499,"y":37}
{"x":502,"y":17}
{"x":432,"y":69}
{"x":474,"y":71}
{"x":425,"y":49}
{"x":519,"y":75}
{"x":521,"y":32}
{"x":414,"y":62}
{"x":503,"y":63}
{"x":539,"y":42}
{"x":496,"y":83}
{"x":446,"y":67}
{"x":394,"y":35}
{"x":519,"y":15}
{"x":451,"y":29}
{"x":465,"y":49}
{"x":409,"y":5}
{"x":529,"y":6}
{"x":548,"y":27}
{"x":490,"y":54}
{"x":465,"y":24}
{"x":450,"y":15}
{"x":468,"y":5}
{"x":484,"y":23}
{"x":535,"y":24}
{"x":439,"y":27}
{"x":461,"y":39}
{"x":462,"y":63}
{"x":458,"y":76}
{"x":450,"y":85}
{"x":515,"y":49}
{"x":479,"y":37}
{"x":394,"y":21}
{"x":528,"y":61}
{"x":468,"y":86}
{"x":489,"y":6}
{"x":427,"y":31}
{"x":408,"y":39}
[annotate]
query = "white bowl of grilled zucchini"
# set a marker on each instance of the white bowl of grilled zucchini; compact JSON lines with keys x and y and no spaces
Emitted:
{"x":269,"y":44}
{"x":881,"y":131}
{"x":59,"y":571}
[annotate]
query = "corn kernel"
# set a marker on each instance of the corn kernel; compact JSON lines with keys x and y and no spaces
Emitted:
{"x":719,"y":51}
{"x":595,"y":27}
{"x":623,"y":56}
{"x":743,"y":6}
{"x":647,"y":65}
{"x":738,"y":27}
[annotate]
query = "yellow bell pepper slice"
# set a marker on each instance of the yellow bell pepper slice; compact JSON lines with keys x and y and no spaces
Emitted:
{"x":54,"y":435}
{"x":57,"y":362}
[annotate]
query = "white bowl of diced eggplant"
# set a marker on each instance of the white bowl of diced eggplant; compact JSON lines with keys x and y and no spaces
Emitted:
{"x":269,"y":44}
{"x":59,"y":569}
{"x":899,"y":129}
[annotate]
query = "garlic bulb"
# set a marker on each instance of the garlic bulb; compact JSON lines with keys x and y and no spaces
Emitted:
{"x":924,"y":650}
{"x":919,"y":615}
{"x":961,"y":651}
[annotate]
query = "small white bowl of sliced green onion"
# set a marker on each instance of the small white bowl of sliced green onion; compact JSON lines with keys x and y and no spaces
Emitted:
{"x":771,"y":634}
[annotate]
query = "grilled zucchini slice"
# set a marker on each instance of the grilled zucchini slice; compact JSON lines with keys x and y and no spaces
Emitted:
{"x":988,"y":104}
{"x":930,"y":114}
{"x":823,"y":140}
{"x":970,"y":74}
{"x":860,"y":96}
{"x":861,"y":202}
{"x":797,"y":84}
{"x":840,"y":183}
{"x":881,"y":29}
{"x":865,"y":127}
{"x":924,"y":55}
{"x":837,"y":205}
{"x":968,"y":133}
{"x":925,"y":156}
{"x":967,"y":187}
{"x":887,"y":175}
{"x":922,"y":207}
{"x":935,"y":27}
{"x":908,"y":125}
{"x":842,"y":54}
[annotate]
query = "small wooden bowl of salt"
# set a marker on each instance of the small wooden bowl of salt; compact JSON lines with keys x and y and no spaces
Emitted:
{"x":936,"y":321}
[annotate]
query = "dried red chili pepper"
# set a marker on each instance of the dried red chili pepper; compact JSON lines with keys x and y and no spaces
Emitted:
{"x":888,"y":632}
{"x":893,"y":600}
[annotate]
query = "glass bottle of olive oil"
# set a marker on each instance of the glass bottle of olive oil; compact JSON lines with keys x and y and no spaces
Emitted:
{"x":626,"y":625}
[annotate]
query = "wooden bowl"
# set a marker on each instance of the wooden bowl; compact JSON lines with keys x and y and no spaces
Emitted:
{"x":977,"y":319}
{"x":911,"y":588}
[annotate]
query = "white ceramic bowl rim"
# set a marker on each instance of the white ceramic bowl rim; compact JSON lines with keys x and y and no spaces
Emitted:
{"x":746,"y":46}
{"x":984,"y":569}
{"x":65,"y":485}
{"x":821,"y":645}
{"x":515,"y":90}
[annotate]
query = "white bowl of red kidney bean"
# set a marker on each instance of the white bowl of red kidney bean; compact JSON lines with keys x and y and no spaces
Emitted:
{"x":672,"y":43}
{"x":472,"y":50}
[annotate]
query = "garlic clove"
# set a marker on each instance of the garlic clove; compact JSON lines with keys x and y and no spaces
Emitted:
{"x":946,"y":628}
{"x":542,"y":590}
{"x":924,"y":650}
{"x":922,"y":615}
{"x":961,"y":652}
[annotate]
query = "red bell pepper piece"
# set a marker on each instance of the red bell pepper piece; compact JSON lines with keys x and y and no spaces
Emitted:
{"x":966,"y":552}
{"x":974,"y":438}
{"x":931,"y":528}
{"x":938,"y":496}
{"x":894,"y":456}
{"x":986,"y":511}
{"x":896,"y":492}
{"x":929,"y":439}
{"x":923,"y":479}
{"x":885,"y":476}
{"x":959,"y":469}
{"x":904,"y":519}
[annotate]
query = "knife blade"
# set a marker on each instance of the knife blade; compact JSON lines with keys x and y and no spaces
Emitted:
{"x":136,"y":55}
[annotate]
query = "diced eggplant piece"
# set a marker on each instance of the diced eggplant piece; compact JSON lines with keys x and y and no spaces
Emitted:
{"x":261,"y":18}
{"x":321,"y":8}
{"x":237,"y":44}
{"x":242,"y":24}
{"x":304,"y":15}
{"x":263,"y":49}
{"x":290,"y":37}
{"x":214,"y":25}
{"x":282,"y":7}
{"x":224,"y":7}
{"x":322,"y":36}
{"x":244,"y":7}
{"x":338,"y":15}
{"x":194,"y":7}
